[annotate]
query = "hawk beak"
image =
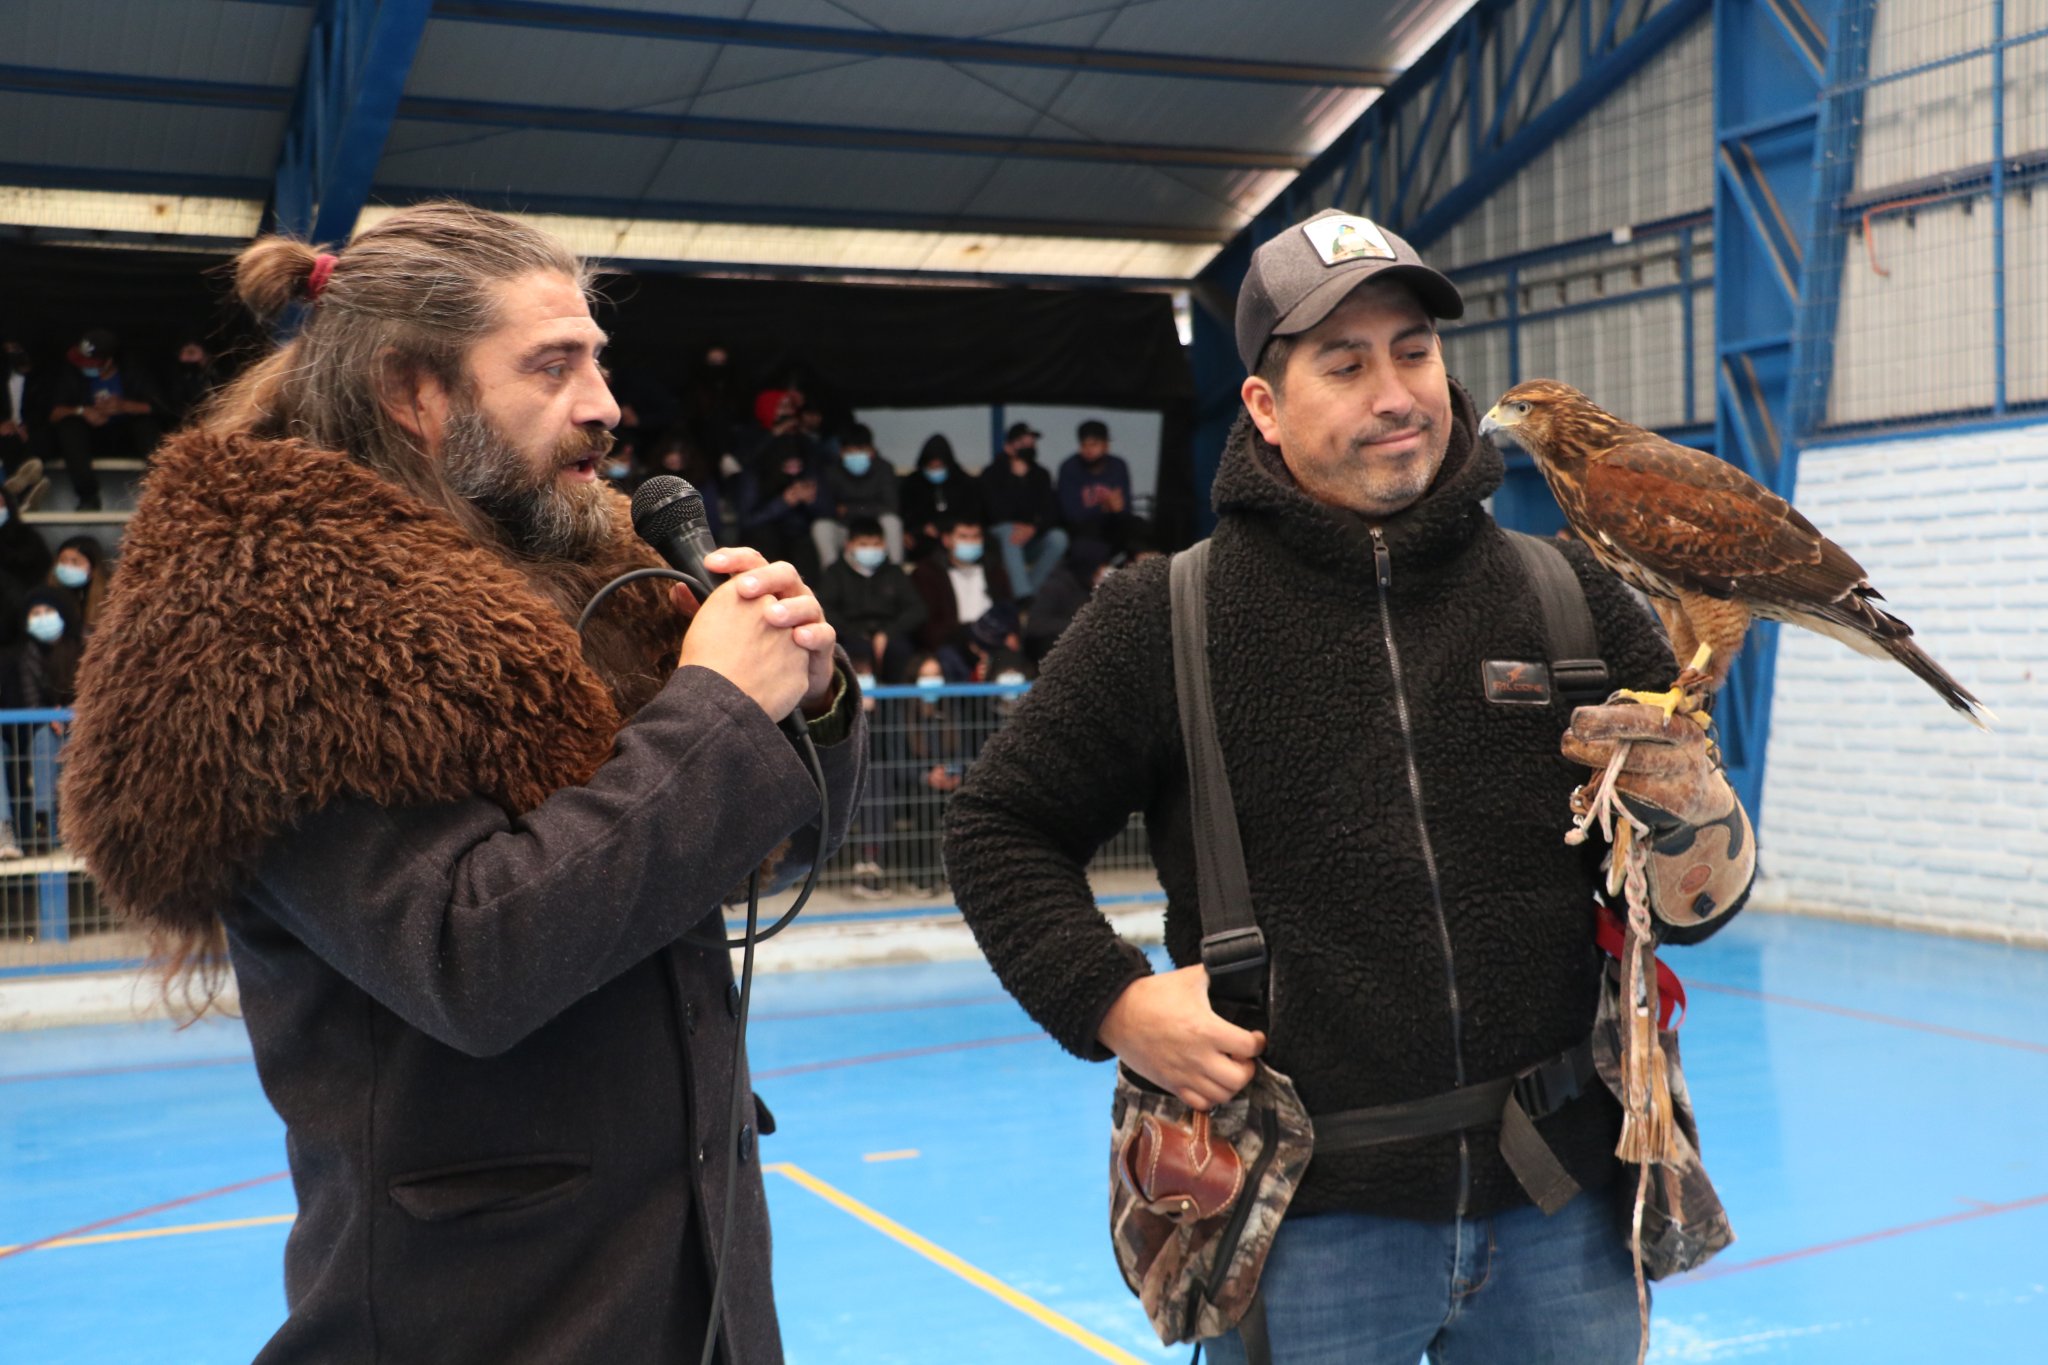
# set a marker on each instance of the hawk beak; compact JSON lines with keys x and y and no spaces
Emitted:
{"x":1491,"y":422}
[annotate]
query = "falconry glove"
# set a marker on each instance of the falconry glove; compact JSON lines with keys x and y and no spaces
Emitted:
{"x":1703,"y":855}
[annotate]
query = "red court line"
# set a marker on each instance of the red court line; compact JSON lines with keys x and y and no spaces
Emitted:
{"x":954,"y":1003}
{"x":140,"y":1068}
{"x":144,"y":1213}
{"x":1981,"y":1211}
{"x":903,"y":1055}
{"x":1869,"y":1017}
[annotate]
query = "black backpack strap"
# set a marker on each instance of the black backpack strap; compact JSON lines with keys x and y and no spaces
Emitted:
{"x":1576,"y":669}
{"x":1233,"y":949}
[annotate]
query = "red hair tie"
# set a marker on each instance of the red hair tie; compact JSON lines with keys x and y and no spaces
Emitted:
{"x":316,"y":282}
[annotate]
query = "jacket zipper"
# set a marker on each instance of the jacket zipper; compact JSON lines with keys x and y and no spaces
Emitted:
{"x":1383,"y":564}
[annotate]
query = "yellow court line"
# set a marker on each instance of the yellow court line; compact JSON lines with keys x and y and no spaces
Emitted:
{"x":183,"y":1230}
{"x":980,"y":1279}
{"x":907,"y":1154}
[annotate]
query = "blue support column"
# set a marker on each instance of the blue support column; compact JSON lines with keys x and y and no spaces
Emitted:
{"x":1768,"y":74}
{"x":358,"y":55}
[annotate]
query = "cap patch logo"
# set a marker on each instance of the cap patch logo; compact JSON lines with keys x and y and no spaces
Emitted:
{"x":1342,"y":238}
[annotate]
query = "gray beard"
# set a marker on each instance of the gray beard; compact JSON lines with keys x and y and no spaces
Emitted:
{"x":546,"y":520}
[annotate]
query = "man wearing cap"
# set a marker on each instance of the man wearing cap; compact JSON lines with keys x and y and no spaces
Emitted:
{"x":101,"y":409}
{"x":1426,"y":927}
{"x":1023,"y":511}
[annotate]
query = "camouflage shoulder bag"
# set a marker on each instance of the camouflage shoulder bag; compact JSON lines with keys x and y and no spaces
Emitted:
{"x":1195,"y":1198}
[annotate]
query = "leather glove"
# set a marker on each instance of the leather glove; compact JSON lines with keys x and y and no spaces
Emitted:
{"x":1673,"y":775}
{"x":1703,"y":853}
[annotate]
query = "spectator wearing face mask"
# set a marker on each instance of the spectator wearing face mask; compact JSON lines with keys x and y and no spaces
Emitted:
{"x":1023,"y":511}
{"x":935,"y":492}
{"x":102,"y":409}
{"x":24,"y":557}
{"x":79,"y":571}
{"x":927,"y":761}
{"x":865,"y":595}
{"x":958,"y":585}
{"x":856,"y":484}
{"x":42,"y":673}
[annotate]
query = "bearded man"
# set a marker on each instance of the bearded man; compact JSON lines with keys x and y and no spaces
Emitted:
{"x":337,"y":728}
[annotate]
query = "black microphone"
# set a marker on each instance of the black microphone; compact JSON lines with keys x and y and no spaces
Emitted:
{"x":669,"y":515}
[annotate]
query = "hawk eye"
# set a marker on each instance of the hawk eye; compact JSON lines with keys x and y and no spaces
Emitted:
{"x":1522,"y":408}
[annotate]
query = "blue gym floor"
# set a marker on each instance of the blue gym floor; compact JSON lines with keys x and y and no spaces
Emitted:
{"x":1873,"y":1104}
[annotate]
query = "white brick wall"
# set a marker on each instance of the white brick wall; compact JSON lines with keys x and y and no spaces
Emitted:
{"x":1878,"y":800}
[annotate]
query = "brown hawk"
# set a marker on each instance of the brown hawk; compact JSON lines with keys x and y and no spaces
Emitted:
{"x":1711,"y":547}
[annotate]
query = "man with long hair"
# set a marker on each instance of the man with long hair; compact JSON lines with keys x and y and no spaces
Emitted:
{"x":338,"y":731}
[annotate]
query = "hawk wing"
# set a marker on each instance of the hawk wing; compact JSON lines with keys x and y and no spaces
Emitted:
{"x":1702,"y":524}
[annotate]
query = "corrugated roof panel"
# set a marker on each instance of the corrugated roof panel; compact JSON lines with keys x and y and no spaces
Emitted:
{"x":1107,"y":194}
{"x":454,"y":157}
{"x":1313,"y":31}
{"x":58,"y":130}
{"x":552,"y":66}
{"x":870,"y":93}
{"x":1274,"y":118}
{"x":214,"y":40}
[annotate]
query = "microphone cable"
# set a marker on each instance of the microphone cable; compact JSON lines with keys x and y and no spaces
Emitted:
{"x":746,"y":943}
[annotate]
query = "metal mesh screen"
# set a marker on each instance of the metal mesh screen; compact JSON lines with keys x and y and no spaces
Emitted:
{"x":1929,"y":270}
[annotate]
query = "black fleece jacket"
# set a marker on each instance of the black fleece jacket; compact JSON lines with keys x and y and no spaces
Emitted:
{"x":1420,"y":939}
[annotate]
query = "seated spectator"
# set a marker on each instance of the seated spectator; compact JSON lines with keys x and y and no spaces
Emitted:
{"x":995,"y":648}
{"x":78,"y":570}
{"x":958,"y":585}
{"x":679,"y":455}
{"x":936,"y":491}
{"x":864,"y":595}
{"x":102,"y":409}
{"x":42,"y":672}
{"x":1095,"y":489}
{"x":856,"y":485}
{"x":810,"y":420}
{"x":1023,"y":514}
{"x":24,"y":407}
{"x":24,"y":555}
{"x":775,"y":414}
{"x":1065,"y":592}
{"x":192,"y":382}
{"x":776,"y":496}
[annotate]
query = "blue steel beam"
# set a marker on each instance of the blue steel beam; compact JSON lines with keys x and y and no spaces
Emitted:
{"x":1771,"y":60}
{"x":358,"y":55}
{"x":1837,"y":135}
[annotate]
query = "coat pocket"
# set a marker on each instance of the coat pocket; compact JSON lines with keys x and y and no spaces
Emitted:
{"x":496,"y":1186}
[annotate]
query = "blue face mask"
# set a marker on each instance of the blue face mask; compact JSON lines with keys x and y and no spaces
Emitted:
{"x":46,"y":626}
{"x":870,"y":557}
{"x":71,"y":576}
{"x":857,"y":462}
{"x":89,"y":371}
{"x":967,"y":551}
{"x":936,"y":475}
{"x":932,"y":683}
{"x":617,"y":469}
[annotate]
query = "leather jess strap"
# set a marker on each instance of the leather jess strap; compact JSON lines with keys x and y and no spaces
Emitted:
{"x":1670,"y":990}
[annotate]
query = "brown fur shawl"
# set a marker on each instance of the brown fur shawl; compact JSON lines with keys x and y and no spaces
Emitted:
{"x":288,"y":627}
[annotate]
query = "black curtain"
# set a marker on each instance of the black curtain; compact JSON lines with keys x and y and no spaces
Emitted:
{"x":852,"y":345}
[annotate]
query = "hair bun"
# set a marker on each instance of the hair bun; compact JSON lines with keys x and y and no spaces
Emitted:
{"x":271,"y":274}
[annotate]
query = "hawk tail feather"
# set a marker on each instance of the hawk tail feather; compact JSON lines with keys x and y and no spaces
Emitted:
{"x":1901,"y":649}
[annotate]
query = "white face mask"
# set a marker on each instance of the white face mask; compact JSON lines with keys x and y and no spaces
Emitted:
{"x":46,"y":626}
{"x":866,"y":681}
{"x":71,"y":576}
{"x":932,"y":684}
{"x":870,"y":556}
{"x":1010,"y":677}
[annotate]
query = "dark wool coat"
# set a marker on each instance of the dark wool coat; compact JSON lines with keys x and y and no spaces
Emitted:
{"x":455,"y":862}
{"x":1341,"y":876}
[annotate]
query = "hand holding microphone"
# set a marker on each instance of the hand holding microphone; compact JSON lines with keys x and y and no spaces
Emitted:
{"x":760,"y":628}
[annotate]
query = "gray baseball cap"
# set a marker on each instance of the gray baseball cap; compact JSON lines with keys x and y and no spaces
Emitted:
{"x":1299,"y":277}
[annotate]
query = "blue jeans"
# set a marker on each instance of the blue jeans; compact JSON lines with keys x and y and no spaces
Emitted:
{"x":1031,"y":563}
{"x":1514,"y":1289}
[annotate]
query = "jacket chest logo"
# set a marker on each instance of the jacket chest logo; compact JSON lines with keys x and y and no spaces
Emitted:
{"x":1509,"y":683}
